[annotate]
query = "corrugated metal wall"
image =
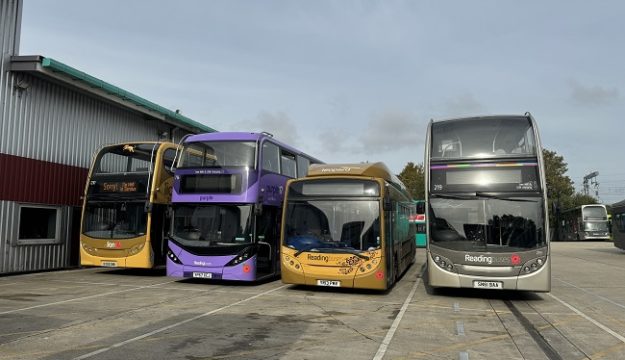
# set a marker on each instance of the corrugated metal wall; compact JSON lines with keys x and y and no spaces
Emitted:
{"x":20,"y":258}
{"x":43,"y":120}
{"x":53,"y":123}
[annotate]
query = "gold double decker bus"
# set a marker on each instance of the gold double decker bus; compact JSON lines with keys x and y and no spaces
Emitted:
{"x":124,"y":215}
{"x":347,"y":225}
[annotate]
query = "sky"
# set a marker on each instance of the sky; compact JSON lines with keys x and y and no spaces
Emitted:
{"x":353,"y":81}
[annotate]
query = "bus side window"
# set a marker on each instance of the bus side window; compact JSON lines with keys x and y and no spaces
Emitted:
{"x":302,"y":166}
{"x":271,"y":157}
{"x":288,"y":164}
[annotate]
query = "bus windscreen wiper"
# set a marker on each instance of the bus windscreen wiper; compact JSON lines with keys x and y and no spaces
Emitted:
{"x":348,"y":251}
{"x":481,"y":194}
{"x":453,"y":197}
{"x":332,"y":250}
{"x":307,"y":248}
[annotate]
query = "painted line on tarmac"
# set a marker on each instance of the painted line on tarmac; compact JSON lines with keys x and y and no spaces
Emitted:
{"x":391,"y":332}
{"x":83,"y":298}
{"x":459,"y":328}
{"x":165,"y":328}
{"x":8,"y":284}
{"x":92,"y":283}
{"x":598,"y":324}
{"x":463,"y":355}
{"x":456,"y":307}
{"x":593,"y":294}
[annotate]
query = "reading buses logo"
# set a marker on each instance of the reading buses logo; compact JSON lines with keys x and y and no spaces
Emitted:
{"x":490,"y":260}
{"x":324,"y":258}
{"x":479,"y":259}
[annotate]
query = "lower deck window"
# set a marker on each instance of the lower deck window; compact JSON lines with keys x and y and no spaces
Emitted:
{"x":39,"y":224}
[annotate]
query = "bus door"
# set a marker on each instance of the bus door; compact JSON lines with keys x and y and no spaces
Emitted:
{"x":268,"y":237}
{"x":158,"y":209}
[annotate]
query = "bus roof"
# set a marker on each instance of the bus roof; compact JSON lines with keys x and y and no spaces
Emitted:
{"x":138,"y":143}
{"x":376,"y":169}
{"x":579,"y":207}
{"x":511,"y":117}
{"x":244,"y":136}
{"x":235,"y":135}
{"x":618,"y":204}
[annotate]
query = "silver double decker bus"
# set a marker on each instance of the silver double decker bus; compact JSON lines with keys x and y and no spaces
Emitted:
{"x":585,"y":222}
{"x":487,"y":223}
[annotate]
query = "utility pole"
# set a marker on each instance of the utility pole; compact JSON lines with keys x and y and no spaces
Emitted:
{"x":591,"y":179}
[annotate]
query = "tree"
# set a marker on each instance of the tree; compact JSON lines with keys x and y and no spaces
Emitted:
{"x":582,"y":199}
{"x":413,"y":177}
{"x":559,"y":186}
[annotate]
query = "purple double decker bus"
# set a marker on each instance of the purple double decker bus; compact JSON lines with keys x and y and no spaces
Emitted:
{"x":226,"y":202}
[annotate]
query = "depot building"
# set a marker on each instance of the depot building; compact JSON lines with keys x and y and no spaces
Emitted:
{"x":53,"y":118}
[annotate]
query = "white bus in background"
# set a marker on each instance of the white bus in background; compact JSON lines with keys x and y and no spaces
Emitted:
{"x":585,"y":222}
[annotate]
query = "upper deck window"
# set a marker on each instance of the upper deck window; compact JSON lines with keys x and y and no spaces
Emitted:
{"x":125,"y":158}
{"x":594,"y":213}
{"x":218,"y":154}
{"x":483,"y":138}
{"x":271,"y":157}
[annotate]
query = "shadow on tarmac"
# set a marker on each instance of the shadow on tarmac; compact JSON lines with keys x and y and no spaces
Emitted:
{"x":156,"y":272}
{"x":265,"y":280}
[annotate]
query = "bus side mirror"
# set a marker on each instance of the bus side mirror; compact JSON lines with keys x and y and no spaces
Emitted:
{"x":258,"y":209}
{"x":148,"y":207}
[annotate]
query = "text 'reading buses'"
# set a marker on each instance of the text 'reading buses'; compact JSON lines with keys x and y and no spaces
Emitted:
{"x":347,"y":226}
{"x":227,"y":200}
{"x":124,"y":215}
{"x":486,"y":196}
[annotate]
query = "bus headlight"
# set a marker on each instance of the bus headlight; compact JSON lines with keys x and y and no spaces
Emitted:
{"x":135,"y":249}
{"x":292,"y":263}
{"x":443,"y":262}
{"x":171,"y":256}
{"x":89,"y":249}
{"x":242,"y":256}
{"x":533,"y":265}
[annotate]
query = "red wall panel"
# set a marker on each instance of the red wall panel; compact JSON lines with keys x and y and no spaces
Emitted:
{"x":36,"y":181}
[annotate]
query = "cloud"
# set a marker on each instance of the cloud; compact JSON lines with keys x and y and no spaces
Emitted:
{"x":592,"y":95}
{"x":463,"y":105}
{"x":391,"y":131}
{"x":279,"y":124}
{"x":335,"y":141}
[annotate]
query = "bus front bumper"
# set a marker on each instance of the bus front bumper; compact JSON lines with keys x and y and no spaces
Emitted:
{"x":142,"y":260}
{"x":245,"y":271}
{"x":539,"y":281}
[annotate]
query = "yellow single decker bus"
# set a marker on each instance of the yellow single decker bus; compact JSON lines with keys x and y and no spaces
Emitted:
{"x":347,"y":225}
{"x":126,"y":204}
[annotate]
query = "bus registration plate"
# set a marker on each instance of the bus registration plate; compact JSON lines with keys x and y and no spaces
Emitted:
{"x":332,"y":283}
{"x":479,"y":284}
{"x":202,"y":275}
{"x":109,"y":263}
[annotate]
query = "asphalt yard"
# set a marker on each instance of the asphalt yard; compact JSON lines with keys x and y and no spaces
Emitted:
{"x":98,"y":313}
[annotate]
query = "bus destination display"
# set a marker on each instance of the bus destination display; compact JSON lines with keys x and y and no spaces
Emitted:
{"x":119,"y":187}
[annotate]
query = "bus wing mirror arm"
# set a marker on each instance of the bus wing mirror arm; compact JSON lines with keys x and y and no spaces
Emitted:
{"x":386,"y":204}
